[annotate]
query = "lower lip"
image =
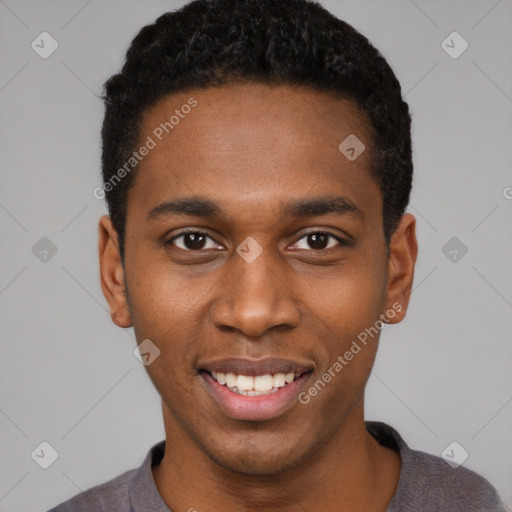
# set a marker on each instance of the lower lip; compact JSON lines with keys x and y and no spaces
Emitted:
{"x":255,"y":408}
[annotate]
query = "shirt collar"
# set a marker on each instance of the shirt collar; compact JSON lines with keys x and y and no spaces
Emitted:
{"x":143,"y":492}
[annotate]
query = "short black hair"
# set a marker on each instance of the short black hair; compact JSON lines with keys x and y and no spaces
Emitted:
{"x":209,"y":43}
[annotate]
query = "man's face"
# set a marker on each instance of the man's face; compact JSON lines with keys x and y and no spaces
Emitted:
{"x":273,"y":277}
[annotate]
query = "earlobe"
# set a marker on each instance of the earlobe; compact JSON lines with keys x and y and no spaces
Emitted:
{"x":403,"y":250}
{"x":112,"y":273}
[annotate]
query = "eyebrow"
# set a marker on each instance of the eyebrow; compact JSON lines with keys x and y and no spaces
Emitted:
{"x":323,"y":206}
{"x":208,"y":209}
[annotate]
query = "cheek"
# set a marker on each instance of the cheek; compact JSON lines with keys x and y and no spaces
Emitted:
{"x":166,"y":312}
{"x":161,"y":299}
{"x":348,"y":315}
{"x":350,"y":328}
{"x":173,"y":371}
{"x":352,"y":299}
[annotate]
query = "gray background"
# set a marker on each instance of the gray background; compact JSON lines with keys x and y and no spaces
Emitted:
{"x":68,"y":375}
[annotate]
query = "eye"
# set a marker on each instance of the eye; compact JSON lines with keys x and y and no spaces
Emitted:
{"x":318,"y":241}
{"x":193,"y":241}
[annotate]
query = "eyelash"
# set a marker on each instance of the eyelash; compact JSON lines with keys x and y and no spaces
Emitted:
{"x":340,"y":241}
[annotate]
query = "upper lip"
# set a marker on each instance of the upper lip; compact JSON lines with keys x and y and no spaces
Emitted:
{"x":255,"y":367}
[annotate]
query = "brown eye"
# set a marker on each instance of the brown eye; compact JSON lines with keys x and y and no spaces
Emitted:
{"x":318,"y":241}
{"x":193,"y":241}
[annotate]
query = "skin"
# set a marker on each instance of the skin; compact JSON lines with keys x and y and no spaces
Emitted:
{"x":252,"y":148}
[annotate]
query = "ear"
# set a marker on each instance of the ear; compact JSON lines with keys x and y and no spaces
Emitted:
{"x":112,"y":273}
{"x":403,"y":250}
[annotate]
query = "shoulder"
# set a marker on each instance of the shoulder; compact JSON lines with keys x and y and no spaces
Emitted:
{"x":447,"y":488}
{"x":134,"y":489}
{"x":429,"y":483}
{"x":109,"y":496}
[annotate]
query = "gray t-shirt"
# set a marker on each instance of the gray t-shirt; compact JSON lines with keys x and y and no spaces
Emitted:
{"x":427,"y":484}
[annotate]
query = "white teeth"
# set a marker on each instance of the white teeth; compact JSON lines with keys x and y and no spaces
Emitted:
{"x":279,"y":380}
{"x":263,"y":383}
{"x":254,"y":386}
{"x":252,"y":392}
{"x":245,"y":382}
{"x":255,"y":392}
{"x":231,"y":380}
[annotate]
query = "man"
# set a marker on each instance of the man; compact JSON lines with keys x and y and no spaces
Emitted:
{"x":257,"y":166}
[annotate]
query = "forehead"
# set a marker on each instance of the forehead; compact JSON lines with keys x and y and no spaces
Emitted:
{"x":252,"y":143}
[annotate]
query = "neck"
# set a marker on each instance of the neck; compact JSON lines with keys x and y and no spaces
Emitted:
{"x":351,"y":471}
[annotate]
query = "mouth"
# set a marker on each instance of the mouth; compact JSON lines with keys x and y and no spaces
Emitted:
{"x":255,"y":390}
{"x":254,"y":386}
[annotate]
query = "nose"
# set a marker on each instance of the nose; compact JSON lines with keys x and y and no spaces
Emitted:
{"x":254,"y":298}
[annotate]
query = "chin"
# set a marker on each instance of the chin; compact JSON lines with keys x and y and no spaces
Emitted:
{"x":251,"y":458}
{"x":253,"y":464}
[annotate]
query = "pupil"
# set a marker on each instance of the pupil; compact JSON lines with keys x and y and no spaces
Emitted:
{"x":194,"y":241}
{"x":318,"y":240}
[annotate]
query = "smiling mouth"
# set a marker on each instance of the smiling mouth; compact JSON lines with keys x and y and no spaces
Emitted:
{"x":254,"y":385}
{"x":254,"y":389}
